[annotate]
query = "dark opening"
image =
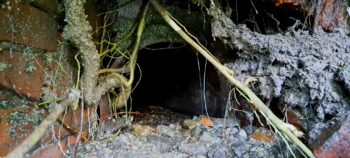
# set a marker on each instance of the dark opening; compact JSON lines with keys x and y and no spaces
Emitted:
{"x":171,"y":78}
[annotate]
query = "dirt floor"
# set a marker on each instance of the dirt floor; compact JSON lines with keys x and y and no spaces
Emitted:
{"x":160,"y":132}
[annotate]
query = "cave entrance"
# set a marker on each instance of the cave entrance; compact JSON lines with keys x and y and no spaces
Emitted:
{"x":177,"y":78}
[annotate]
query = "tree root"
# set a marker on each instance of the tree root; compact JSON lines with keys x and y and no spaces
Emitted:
{"x":78,"y":30}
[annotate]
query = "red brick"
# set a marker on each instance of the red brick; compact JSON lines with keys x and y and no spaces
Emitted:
{"x":52,"y":150}
{"x":15,"y":77}
{"x":50,"y":6}
{"x":337,"y":145}
{"x":27,"y":25}
{"x":8,"y":142}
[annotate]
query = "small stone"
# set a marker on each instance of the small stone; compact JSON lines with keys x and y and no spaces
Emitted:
{"x":167,"y":131}
{"x":161,"y":144}
{"x":241,"y":148}
{"x":207,"y":137}
{"x":178,"y":127}
{"x":174,"y":154}
{"x":220,"y":152}
{"x":193,"y":148}
{"x":225,"y":122}
{"x":190,"y":124}
{"x":261,"y":152}
{"x":88,"y":147}
{"x":263,"y":135}
{"x":242,"y":134}
{"x":141,"y":130}
{"x":231,"y":131}
{"x":198,"y":156}
{"x":197,"y":132}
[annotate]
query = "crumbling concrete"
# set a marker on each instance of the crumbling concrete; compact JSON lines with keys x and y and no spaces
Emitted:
{"x":301,"y":70}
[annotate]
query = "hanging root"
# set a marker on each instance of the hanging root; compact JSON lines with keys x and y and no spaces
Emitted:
{"x":78,"y":31}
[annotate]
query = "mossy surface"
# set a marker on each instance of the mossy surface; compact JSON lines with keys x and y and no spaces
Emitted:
{"x":20,"y":120}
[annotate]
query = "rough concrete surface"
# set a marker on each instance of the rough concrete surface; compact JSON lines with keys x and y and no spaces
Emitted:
{"x":301,"y":70}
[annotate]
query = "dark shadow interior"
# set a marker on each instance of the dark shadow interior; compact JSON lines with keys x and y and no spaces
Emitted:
{"x":171,"y":78}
